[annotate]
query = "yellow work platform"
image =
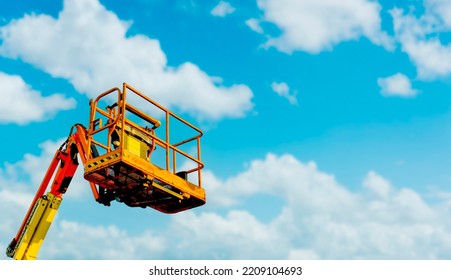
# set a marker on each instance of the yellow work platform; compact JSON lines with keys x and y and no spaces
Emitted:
{"x":124,"y":141}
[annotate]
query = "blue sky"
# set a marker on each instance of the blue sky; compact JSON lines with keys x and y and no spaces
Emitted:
{"x":326,"y":123}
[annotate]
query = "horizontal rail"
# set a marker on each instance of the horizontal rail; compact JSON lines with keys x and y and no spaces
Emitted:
{"x":186,"y":141}
{"x":156,"y":123}
{"x":100,"y":144}
{"x":163,"y":108}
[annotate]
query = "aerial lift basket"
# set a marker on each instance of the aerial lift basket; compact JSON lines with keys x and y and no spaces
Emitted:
{"x":139,"y":160}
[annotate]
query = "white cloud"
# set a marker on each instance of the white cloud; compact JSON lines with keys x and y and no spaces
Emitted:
{"x":283,"y":90}
{"x":377,"y":184}
{"x":222,"y":9}
{"x":322,"y":219}
{"x":88,"y":45}
{"x":254,"y":24}
{"x":419,"y":38}
{"x":317,"y":25}
{"x":397,"y":85}
{"x":241,"y":236}
{"x":318,"y":219}
{"x":302,"y":255}
{"x":21,"y":104}
{"x":100,"y":242}
{"x":440,"y":8}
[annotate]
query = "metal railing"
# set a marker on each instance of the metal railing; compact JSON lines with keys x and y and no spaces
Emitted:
{"x":115,"y":117}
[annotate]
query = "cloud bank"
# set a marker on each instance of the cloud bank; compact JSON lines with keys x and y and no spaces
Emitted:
{"x":89,"y":46}
{"x":318,"y":219}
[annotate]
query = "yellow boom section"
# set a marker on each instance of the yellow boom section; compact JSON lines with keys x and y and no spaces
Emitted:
{"x":36,"y":227}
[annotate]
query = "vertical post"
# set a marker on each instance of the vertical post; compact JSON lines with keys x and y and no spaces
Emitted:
{"x":199,"y":177}
{"x":93,"y":108}
{"x":122,"y":106}
{"x":174,"y":161}
{"x":167,"y":140}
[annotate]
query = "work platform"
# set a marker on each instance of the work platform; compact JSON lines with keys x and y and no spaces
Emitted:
{"x":139,"y":160}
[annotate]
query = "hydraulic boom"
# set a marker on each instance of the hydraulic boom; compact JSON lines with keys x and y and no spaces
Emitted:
{"x":44,"y":206}
{"x":125,"y":159}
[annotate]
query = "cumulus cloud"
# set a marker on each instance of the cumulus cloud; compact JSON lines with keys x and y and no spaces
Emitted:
{"x":419,"y":38}
{"x":283,"y":90}
{"x":88,"y":46}
{"x":254,"y":24}
{"x":377,"y":184}
{"x":397,"y":85}
{"x":21,"y":104}
{"x":115,"y":243}
{"x":317,"y":25}
{"x":222,"y":9}
{"x":318,"y":219}
{"x":440,"y":8}
{"x":323,"y":219}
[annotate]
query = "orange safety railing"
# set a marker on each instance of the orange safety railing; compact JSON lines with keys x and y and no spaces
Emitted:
{"x":115,"y":116}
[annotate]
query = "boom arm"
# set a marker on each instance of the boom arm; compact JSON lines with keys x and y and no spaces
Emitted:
{"x":44,"y":207}
{"x":116,"y":154}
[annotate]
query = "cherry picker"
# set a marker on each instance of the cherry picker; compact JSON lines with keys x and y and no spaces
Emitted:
{"x":128,"y":157}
